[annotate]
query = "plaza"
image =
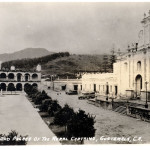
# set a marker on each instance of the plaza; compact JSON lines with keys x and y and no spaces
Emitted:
{"x":17,"y":113}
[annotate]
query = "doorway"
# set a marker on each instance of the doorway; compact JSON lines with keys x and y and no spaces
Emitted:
{"x":94,"y":87}
{"x":138,"y":81}
{"x":75,"y":87}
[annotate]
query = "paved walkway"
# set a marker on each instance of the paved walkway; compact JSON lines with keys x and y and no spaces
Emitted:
{"x":17,"y":113}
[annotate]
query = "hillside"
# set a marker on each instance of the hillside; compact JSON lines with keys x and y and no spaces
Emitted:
{"x":77,"y":63}
{"x":31,"y":63}
{"x":25,"y":53}
{"x":64,"y":64}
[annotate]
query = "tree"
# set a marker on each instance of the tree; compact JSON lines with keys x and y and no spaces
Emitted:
{"x":13,"y":139}
{"x":53,"y":108}
{"x":40,"y":96}
{"x":45,"y":105}
{"x":28,"y":88}
{"x":81,"y":125}
{"x":105,"y":63}
{"x":63,"y":116}
{"x":112,"y":58}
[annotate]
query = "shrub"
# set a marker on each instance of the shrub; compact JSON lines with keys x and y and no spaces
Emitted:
{"x":53,"y":108}
{"x":81,"y":125}
{"x":40,"y":96}
{"x":45,"y":105}
{"x":63,"y":116}
{"x":11,"y":139}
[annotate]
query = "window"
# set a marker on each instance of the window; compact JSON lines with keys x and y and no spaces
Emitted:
{"x":139,"y":65}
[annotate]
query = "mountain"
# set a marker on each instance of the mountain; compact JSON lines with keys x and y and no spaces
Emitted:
{"x":25,"y":53}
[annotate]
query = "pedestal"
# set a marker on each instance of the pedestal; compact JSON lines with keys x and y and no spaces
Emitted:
{"x":130,"y":94}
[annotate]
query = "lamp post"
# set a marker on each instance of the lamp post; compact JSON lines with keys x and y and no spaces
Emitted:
{"x":146,"y":104}
{"x":136,"y":88}
{"x":107,"y":92}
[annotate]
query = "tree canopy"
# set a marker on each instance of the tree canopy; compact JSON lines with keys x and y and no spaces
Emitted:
{"x":29,"y":64}
{"x":81,"y":125}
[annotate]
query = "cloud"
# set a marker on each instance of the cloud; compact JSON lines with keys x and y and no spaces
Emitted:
{"x":77,"y":27}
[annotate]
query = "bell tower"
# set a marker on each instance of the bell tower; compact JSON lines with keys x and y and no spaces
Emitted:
{"x":144,"y":35}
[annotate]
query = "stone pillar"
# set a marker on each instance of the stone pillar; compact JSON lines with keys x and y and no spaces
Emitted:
{"x":143,"y":76}
{"x":129,"y":72}
{"x":15,"y":77}
{"x":7,"y":77}
{"x":134,"y":68}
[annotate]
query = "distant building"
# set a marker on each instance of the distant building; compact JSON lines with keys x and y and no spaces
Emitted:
{"x":131,"y":72}
{"x":18,"y":79}
{"x":67,"y":84}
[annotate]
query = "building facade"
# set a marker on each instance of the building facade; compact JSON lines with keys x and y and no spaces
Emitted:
{"x":64,"y":84}
{"x":131,"y":72}
{"x":19,"y":79}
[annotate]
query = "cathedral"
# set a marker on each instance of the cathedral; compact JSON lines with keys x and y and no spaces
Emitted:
{"x":131,"y":72}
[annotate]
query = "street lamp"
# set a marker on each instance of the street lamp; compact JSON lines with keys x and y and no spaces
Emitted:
{"x":136,"y":88}
{"x":107,"y":92}
{"x":146,"y":104}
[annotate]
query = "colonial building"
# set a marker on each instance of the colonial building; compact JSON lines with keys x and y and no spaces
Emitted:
{"x":64,"y":84}
{"x":131,"y":72}
{"x":19,"y":79}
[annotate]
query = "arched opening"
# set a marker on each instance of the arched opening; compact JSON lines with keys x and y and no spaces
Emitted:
{"x":19,"y":77}
{"x":34,"y":76}
{"x":35,"y":85}
{"x":11,"y":76}
{"x":138,"y":82}
{"x":11,"y":87}
{"x":3,"y":86}
{"x":27,"y":77}
{"x":19,"y":87}
{"x":3,"y":76}
{"x":139,"y":65}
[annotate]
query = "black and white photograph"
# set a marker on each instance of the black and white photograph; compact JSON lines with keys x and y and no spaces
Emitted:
{"x":74,"y":73}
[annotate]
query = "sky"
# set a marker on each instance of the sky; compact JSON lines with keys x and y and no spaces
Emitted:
{"x":80,"y":28}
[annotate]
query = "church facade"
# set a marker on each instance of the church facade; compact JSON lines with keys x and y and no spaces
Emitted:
{"x":131,"y":72}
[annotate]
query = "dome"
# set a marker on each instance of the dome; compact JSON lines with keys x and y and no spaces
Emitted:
{"x":12,"y":68}
{"x":38,"y":68}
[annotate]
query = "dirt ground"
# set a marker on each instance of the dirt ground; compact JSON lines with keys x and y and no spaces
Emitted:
{"x":111,"y":127}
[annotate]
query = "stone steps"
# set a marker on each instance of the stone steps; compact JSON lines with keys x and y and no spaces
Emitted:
{"x":121,"y":110}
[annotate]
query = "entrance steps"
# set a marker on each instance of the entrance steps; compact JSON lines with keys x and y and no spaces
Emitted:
{"x":121,"y":110}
